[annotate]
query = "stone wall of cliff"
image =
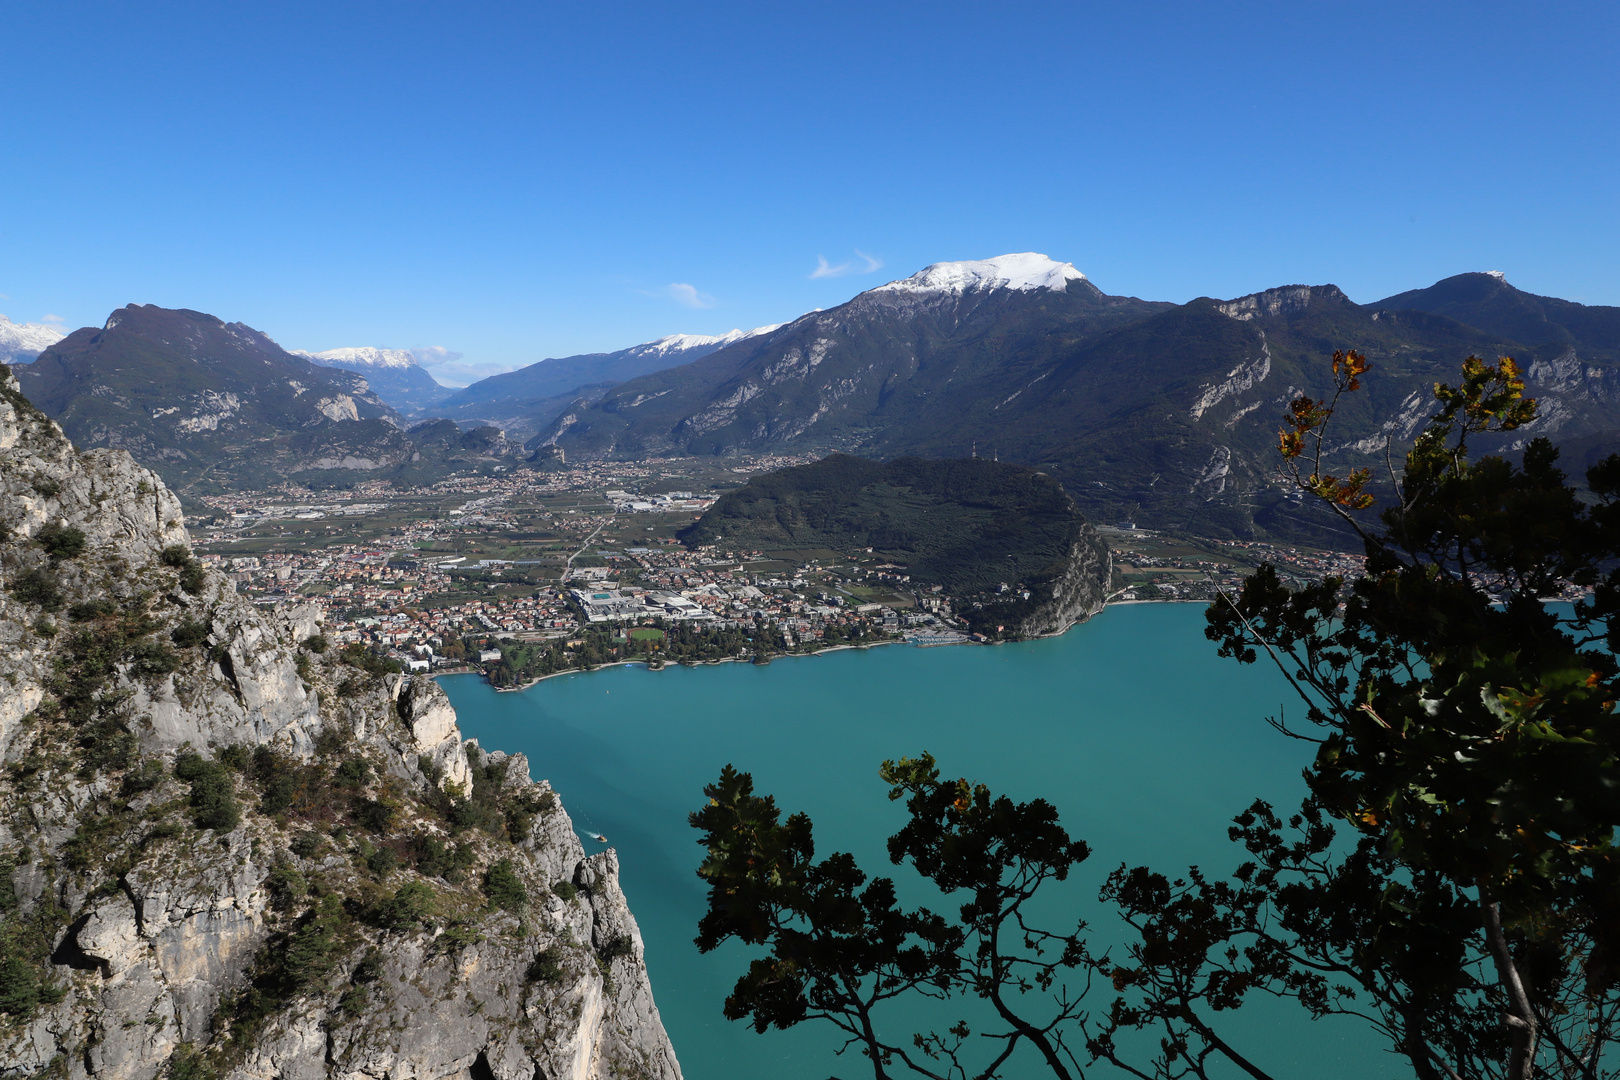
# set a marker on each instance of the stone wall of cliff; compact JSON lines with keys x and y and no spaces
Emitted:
{"x":1079,"y":593}
{"x":227,"y":851}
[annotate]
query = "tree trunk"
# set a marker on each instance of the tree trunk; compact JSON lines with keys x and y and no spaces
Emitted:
{"x":1520,"y":1017}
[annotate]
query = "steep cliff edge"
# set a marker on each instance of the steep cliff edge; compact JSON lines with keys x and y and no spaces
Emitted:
{"x":1078,"y":593}
{"x":229,"y":851}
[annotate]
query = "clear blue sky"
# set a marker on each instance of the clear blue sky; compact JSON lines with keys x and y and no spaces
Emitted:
{"x":528,"y":180}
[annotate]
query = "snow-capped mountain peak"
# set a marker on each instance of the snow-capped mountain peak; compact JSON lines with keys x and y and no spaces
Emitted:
{"x":364,"y":355}
{"x":677,"y":343}
{"x":1021,"y":272}
{"x":22,"y":342}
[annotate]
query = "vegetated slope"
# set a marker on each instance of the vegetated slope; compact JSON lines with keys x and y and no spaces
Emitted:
{"x":1163,"y":414}
{"x":969,"y":525}
{"x":393,"y":375}
{"x":526,"y":400}
{"x":229,"y":848}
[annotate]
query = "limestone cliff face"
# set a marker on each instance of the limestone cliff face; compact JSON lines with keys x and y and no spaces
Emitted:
{"x":1080,"y":592}
{"x":228,"y":852}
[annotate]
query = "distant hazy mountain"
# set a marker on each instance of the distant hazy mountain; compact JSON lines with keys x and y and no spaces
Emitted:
{"x":20,"y":343}
{"x":394,"y":375}
{"x":1164,"y":414}
{"x":525,"y":400}
{"x":191,"y":395}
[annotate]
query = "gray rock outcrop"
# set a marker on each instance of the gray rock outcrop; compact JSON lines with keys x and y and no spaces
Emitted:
{"x":1079,"y":592}
{"x":229,"y":852}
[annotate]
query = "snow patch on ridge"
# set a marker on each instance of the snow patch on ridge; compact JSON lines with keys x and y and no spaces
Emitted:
{"x":367,"y":355}
{"x":1022,"y":272}
{"x":676,"y":343}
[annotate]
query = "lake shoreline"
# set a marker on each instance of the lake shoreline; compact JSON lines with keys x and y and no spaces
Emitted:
{"x":643,"y":663}
{"x":814,"y":652}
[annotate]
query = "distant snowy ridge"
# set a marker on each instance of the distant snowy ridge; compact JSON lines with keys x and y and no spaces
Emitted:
{"x":675,"y":343}
{"x":22,"y":342}
{"x":1022,"y":272}
{"x":364,"y":355}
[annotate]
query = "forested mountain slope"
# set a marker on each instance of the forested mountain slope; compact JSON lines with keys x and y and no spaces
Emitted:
{"x":986,"y":532}
{"x":229,"y":850}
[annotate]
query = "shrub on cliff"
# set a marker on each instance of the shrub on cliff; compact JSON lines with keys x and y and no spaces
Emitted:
{"x":504,"y":888}
{"x":38,"y":587}
{"x":213,"y":792}
{"x":412,"y":904}
{"x":61,"y":541}
{"x":179,"y":557}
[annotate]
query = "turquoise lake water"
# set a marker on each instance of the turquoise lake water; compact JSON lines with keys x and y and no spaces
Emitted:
{"x":1145,"y":741}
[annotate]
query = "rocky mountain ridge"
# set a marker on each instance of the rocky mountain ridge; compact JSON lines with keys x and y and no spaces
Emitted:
{"x":229,"y":850}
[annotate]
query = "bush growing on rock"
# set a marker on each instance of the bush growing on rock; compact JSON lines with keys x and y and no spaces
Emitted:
{"x":547,"y":967}
{"x":285,"y":885}
{"x":366,"y":972}
{"x":357,"y":655}
{"x":411,"y":905}
{"x":90,"y":610}
{"x":39,"y":588}
{"x":382,"y":862}
{"x":179,"y":557}
{"x":435,"y":858}
{"x":144,"y":777}
{"x":503,"y":887}
{"x":189,"y":634}
{"x":61,"y":541}
{"x":373,"y":816}
{"x":352,"y":772}
{"x":213,"y":792}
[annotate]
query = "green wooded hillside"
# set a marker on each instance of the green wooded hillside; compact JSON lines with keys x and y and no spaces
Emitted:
{"x":967,"y":524}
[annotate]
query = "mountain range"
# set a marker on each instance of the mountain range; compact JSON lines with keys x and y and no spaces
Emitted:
{"x":1159,"y":413}
{"x":524,"y":401}
{"x":1147,"y":411}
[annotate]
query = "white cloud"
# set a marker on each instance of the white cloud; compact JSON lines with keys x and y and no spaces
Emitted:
{"x":433,"y":355}
{"x":459,"y":375}
{"x":52,"y":319}
{"x":867,"y":265}
{"x":688,"y":295}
